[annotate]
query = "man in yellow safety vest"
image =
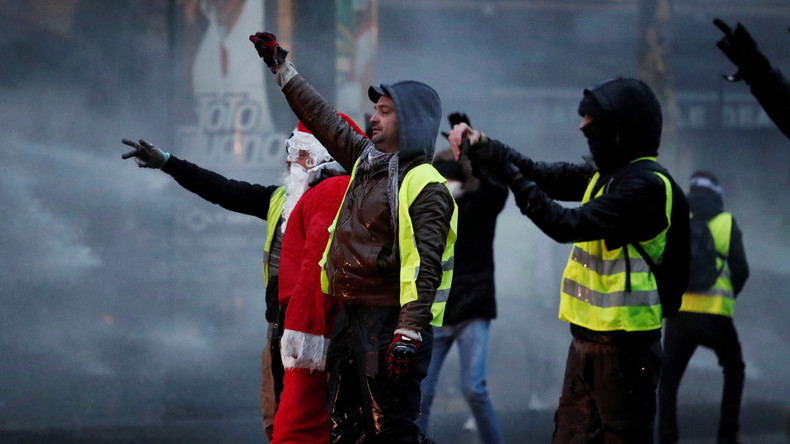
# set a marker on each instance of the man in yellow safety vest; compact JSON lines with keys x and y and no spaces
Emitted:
{"x":629,"y":258}
{"x":389,"y":259}
{"x":705,"y":317}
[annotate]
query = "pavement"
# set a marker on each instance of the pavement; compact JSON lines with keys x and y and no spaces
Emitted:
{"x":761,"y":423}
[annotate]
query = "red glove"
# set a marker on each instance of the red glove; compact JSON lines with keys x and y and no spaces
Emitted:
{"x":401,"y":358}
{"x":268,"y":49}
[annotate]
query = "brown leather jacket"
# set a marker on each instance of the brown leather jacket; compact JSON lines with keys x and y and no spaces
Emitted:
{"x":363,"y":264}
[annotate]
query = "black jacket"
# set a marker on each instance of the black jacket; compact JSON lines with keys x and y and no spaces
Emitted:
{"x":234,"y":195}
{"x":633,"y":208}
{"x":472,"y":294}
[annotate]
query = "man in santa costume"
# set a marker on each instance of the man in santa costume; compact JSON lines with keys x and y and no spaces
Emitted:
{"x":303,"y":416}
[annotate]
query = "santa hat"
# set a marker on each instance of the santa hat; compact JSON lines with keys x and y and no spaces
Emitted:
{"x":303,"y":140}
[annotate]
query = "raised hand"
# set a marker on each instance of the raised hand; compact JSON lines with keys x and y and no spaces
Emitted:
{"x":741,"y":49}
{"x":268,"y":49}
{"x":145,"y":154}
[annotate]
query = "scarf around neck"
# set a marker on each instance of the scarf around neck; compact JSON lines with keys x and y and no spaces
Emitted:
{"x":371,"y":160}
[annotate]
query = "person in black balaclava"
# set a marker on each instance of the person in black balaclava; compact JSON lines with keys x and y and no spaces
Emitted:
{"x":614,"y":294}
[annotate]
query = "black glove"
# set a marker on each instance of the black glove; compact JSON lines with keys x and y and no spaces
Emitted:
{"x":401,"y":358}
{"x":742,"y":50}
{"x":145,"y":154}
{"x":456,"y":118}
{"x":491,"y":159}
{"x":268,"y":49}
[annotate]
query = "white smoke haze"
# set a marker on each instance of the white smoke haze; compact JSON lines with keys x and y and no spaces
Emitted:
{"x":127,"y":300}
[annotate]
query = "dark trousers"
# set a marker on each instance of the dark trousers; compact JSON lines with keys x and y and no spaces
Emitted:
{"x":608,"y":394}
{"x":682,"y":335}
{"x":365,"y":406}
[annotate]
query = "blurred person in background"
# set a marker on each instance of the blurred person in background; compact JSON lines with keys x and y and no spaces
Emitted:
{"x":705,"y":316}
{"x":472,"y":304}
{"x":629,"y":263}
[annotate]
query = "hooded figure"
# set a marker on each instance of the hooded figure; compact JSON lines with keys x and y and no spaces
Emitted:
{"x":628,"y":262}
{"x":419,"y":114}
{"x":389,"y":256}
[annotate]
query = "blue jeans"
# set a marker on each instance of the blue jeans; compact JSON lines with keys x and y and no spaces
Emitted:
{"x":472,"y":338}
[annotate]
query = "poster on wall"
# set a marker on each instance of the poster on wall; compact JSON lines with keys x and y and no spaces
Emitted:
{"x":233,"y":125}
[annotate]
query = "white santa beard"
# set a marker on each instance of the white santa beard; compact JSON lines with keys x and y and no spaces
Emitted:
{"x":296,"y":183}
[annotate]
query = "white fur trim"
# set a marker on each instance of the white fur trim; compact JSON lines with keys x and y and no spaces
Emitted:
{"x":303,"y":350}
{"x":307,"y":142}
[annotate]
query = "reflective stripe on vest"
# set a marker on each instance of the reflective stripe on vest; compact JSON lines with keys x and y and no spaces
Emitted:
{"x":276,"y":203}
{"x":416,"y":179}
{"x":594,"y":292}
{"x":720,"y":299}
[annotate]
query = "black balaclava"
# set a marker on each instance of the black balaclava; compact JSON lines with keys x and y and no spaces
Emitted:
{"x":601,"y":135}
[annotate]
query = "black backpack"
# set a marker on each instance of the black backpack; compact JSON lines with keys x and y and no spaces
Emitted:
{"x":703,"y":272}
{"x":672,"y":274}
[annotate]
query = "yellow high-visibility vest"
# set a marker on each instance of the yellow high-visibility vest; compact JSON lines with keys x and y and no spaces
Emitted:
{"x":416,"y":179}
{"x":594,"y":292}
{"x":276,"y":203}
{"x":720,"y":299}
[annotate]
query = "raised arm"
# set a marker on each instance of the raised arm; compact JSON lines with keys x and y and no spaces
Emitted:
{"x":340,"y":139}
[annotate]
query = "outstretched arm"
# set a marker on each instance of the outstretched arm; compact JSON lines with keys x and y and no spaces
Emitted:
{"x":340,"y":139}
{"x":241,"y":197}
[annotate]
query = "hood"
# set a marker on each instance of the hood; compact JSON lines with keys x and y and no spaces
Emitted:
{"x":633,"y":107}
{"x":419,"y":114}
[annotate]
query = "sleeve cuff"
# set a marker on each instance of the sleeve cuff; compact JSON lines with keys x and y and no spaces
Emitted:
{"x":409,"y":333}
{"x":285,"y":74}
{"x":167,"y":157}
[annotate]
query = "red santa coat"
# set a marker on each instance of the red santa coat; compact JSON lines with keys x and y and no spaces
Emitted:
{"x":302,"y":416}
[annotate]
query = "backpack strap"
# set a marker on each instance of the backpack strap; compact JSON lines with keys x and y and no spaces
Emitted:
{"x":646,"y":257}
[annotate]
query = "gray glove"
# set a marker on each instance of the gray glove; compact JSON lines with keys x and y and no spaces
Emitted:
{"x":145,"y":154}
